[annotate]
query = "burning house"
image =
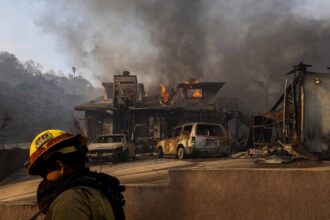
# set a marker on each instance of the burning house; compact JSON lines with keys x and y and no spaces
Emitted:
{"x":126,"y":109}
{"x":107,"y":114}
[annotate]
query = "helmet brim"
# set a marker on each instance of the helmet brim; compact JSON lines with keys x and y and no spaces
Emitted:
{"x":33,"y":169}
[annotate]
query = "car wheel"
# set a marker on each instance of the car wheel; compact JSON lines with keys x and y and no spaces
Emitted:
{"x":132,"y":158}
{"x":160,"y":153}
{"x":180,"y":153}
{"x":125,"y":156}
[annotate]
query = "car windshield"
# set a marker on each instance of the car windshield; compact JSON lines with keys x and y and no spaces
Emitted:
{"x":208,"y":130}
{"x":109,"y":139}
{"x":114,"y":139}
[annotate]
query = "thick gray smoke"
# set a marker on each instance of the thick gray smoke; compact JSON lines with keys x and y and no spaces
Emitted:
{"x":179,"y":32}
{"x":249,"y":44}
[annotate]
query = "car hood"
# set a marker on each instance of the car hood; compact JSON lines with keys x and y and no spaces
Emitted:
{"x":106,"y":146}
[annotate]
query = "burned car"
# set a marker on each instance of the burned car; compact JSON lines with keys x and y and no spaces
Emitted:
{"x":196,"y":139}
{"x":113,"y":147}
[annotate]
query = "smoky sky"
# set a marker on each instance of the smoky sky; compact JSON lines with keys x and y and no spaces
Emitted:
{"x":248,"y":44}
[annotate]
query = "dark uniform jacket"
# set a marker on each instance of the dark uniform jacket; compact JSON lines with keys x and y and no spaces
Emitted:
{"x":81,"y":203}
{"x":84,"y":195}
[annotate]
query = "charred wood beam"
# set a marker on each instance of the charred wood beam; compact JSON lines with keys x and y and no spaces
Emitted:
{"x":280,"y":100}
{"x":300,"y":67}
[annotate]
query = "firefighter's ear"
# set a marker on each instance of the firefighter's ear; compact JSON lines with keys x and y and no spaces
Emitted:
{"x":57,"y":173}
{"x":61,"y":166}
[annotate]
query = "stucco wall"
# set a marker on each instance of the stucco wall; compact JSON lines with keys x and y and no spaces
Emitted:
{"x":225,"y":194}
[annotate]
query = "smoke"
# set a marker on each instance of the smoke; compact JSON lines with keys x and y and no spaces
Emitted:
{"x":249,"y":44}
{"x":179,"y":32}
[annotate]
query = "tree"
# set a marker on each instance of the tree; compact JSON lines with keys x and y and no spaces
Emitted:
{"x":267,"y":85}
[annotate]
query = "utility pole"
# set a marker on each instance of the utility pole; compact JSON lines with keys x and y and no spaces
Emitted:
{"x":74,"y":69}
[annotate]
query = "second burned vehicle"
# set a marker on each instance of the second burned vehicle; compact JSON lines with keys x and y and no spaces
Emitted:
{"x":196,"y":139}
{"x":112,"y":147}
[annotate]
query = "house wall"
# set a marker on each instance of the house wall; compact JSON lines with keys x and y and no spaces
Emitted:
{"x":317,"y":114}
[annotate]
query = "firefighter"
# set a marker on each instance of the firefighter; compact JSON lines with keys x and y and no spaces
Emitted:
{"x":69,"y":190}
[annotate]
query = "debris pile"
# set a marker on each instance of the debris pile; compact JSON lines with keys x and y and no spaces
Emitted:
{"x":276,"y":153}
{"x":261,"y":152}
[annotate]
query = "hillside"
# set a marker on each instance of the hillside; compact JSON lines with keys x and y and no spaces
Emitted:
{"x":32,"y":101}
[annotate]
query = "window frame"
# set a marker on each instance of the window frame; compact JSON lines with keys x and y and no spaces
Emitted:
{"x":190,"y":130}
{"x":175,"y":131}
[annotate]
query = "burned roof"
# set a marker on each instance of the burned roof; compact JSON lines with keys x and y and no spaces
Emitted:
{"x":151,"y":103}
{"x":210,"y":86}
{"x":98,"y":104}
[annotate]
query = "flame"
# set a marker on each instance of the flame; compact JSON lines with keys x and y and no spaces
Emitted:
{"x":164,"y":95}
{"x":197,"y":94}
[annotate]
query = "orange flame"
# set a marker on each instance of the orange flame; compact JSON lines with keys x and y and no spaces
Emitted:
{"x":164,"y":95}
{"x":197,"y":94}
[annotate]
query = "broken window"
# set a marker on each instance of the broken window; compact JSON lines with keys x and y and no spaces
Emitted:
{"x":208,"y":130}
{"x":114,"y":139}
{"x":194,"y":93}
{"x":177,"y":132}
{"x":187,"y":129}
{"x":98,"y":140}
{"x":171,"y":134}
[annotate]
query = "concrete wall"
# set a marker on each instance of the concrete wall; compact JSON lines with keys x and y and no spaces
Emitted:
{"x":235,"y":194}
{"x":12,"y":160}
{"x":225,"y":194}
{"x":17,"y":211}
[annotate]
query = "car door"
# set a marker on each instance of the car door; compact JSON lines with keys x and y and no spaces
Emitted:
{"x":174,"y":141}
{"x":185,"y":139}
{"x":224,"y":138}
{"x":168,"y":141}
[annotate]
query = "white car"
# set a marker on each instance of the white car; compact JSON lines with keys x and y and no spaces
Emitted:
{"x":112,"y":147}
{"x":196,"y":139}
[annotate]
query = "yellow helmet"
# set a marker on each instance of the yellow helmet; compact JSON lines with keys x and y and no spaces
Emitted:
{"x":45,"y":143}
